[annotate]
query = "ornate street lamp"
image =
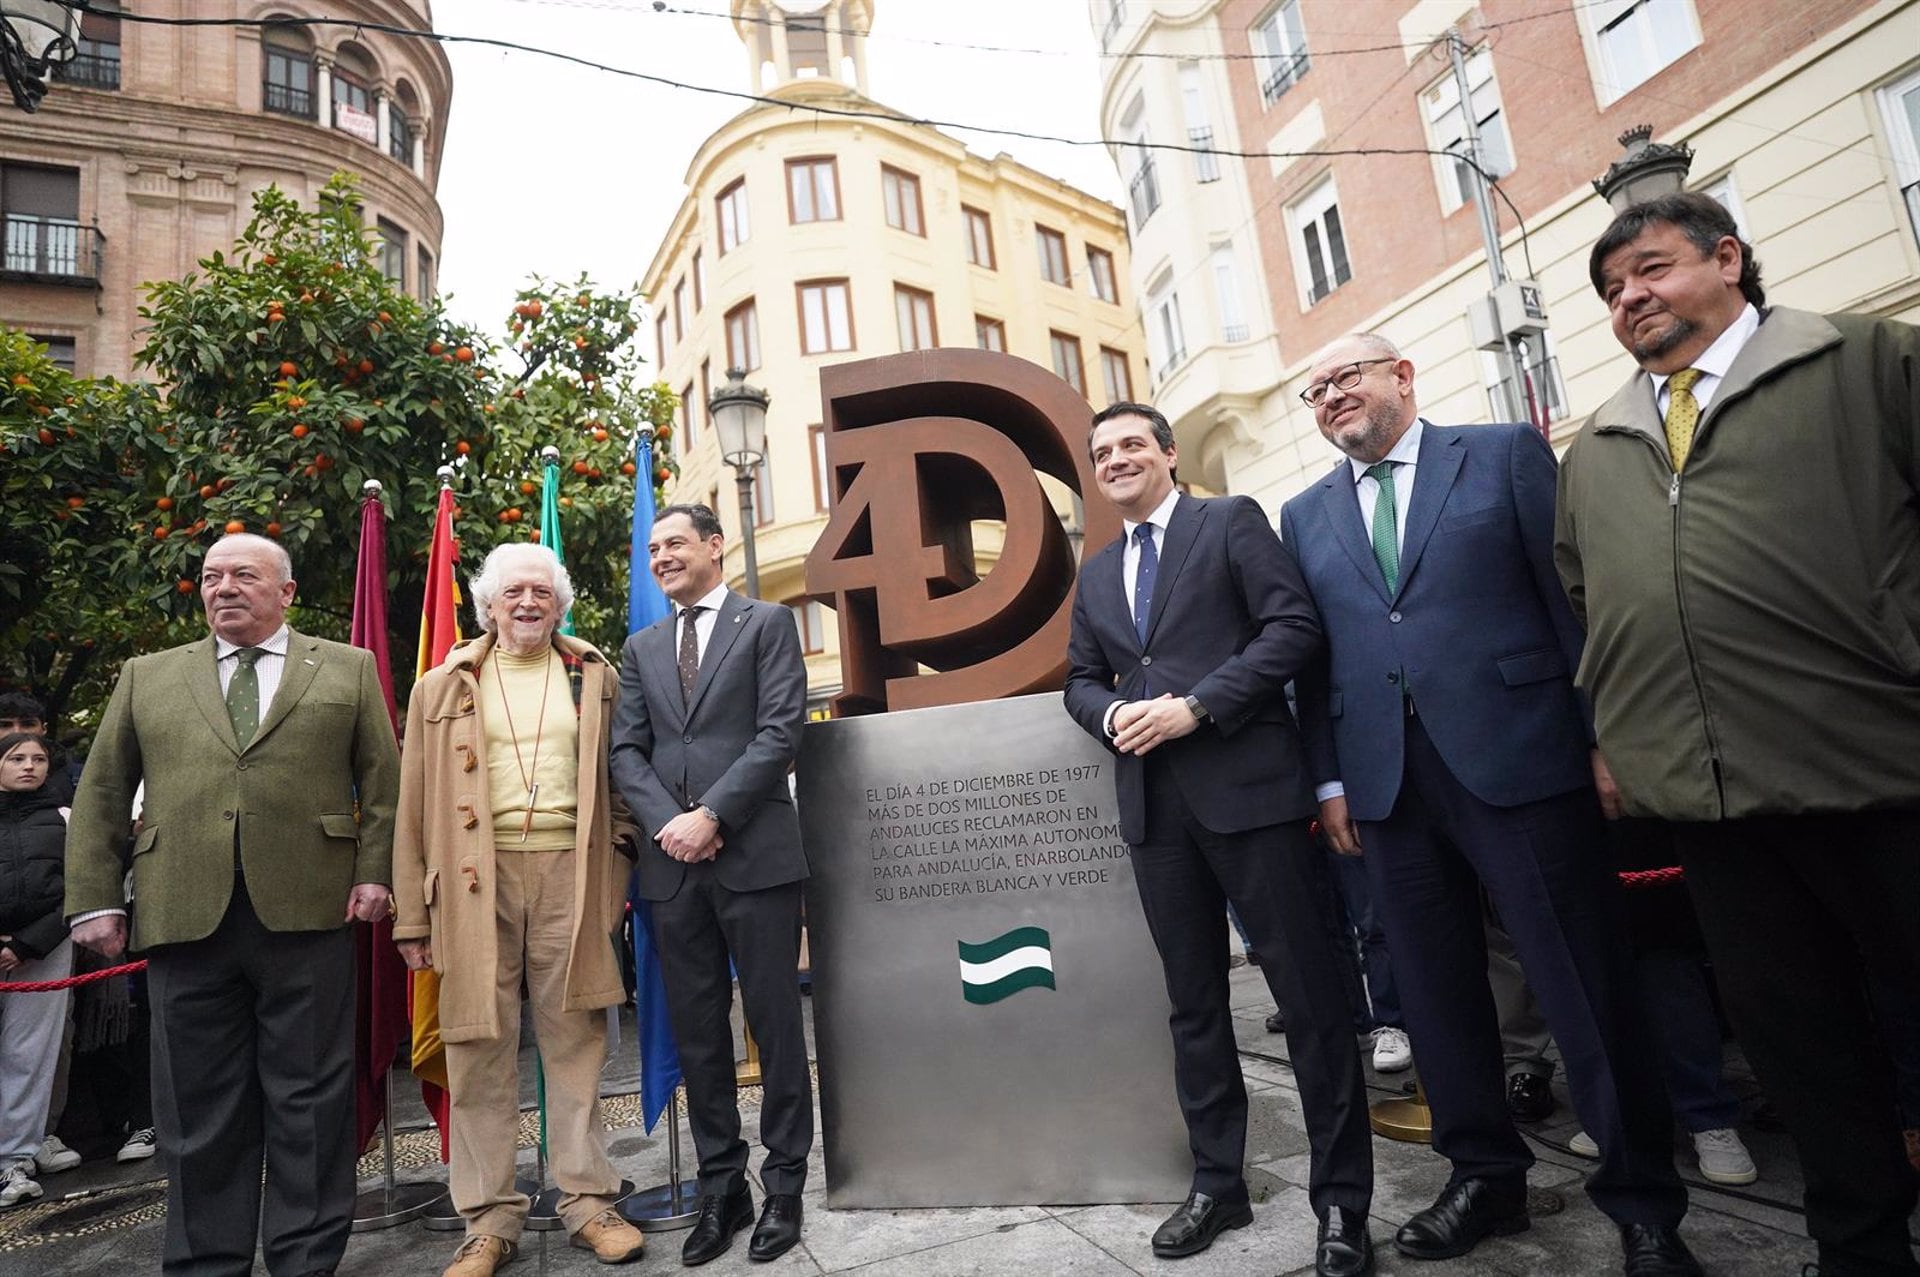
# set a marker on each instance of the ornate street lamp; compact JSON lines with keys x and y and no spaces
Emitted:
{"x":1647,"y":171}
{"x":35,"y":36}
{"x":739,"y":413}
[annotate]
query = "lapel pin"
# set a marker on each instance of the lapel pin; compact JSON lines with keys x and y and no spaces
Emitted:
{"x":737,"y":619}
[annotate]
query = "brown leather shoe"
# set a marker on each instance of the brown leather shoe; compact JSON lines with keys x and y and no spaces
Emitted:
{"x":481,"y":1256}
{"x":611,"y":1239}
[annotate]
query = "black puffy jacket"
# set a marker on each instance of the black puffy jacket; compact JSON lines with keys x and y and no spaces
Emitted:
{"x":33,"y":849}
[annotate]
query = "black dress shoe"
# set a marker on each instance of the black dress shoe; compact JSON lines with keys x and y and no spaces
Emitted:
{"x":1344,"y":1249}
{"x":1463,"y":1214}
{"x":1655,"y":1250}
{"x":1200,"y":1219}
{"x":778,"y":1229}
{"x":721,"y":1216}
{"x":1529,"y":1097}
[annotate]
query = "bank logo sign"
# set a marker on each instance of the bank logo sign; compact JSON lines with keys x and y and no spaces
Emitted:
{"x":1001,"y":967}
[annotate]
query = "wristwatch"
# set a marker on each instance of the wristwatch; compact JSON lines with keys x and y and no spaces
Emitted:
{"x":709,"y":813}
{"x":1199,"y":711}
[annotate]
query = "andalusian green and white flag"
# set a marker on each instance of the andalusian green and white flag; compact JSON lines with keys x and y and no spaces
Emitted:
{"x":1001,"y":967}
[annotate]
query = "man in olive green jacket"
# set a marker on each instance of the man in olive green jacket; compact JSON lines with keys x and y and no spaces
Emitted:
{"x":1739,"y":530}
{"x":270,"y":776}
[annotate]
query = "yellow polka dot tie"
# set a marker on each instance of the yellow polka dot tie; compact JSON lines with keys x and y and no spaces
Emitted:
{"x":243,"y":695}
{"x":1683,"y":413}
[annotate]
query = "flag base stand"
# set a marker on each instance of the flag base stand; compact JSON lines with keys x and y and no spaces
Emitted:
{"x":674,"y":1204}
{"x":1408,"y":1120}
{"x":393,"y":1205}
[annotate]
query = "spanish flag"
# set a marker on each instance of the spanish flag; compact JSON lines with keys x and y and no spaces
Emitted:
{"x":439,"y":631}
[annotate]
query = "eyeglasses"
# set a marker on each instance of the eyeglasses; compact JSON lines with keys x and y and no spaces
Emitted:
{"x":1346,"y":379}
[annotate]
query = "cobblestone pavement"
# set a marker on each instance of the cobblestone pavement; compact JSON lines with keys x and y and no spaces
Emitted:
{"x":104,"y":1217}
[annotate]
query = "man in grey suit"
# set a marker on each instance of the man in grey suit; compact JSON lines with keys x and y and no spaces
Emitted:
{"x":257,"y":746}
{"x":711,"y":704}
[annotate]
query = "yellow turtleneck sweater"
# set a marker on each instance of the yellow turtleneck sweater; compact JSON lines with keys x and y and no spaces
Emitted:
{"x":511,"y":690}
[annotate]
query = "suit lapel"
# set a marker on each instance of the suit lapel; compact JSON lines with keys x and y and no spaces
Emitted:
{"x":1343,"y":512}
{"x":1183,"y":525}
{"x":203,"y":683}
{"x":1433,"y":478}
{"x":296,"y":676}
{"x":726,"y":628}
{"x":660,"y":651}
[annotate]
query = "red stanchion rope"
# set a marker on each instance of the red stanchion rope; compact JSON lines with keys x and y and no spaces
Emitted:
{"x":1652,"y":877}
{"x":50,"y":986}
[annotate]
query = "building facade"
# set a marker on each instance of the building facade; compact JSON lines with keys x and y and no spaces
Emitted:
{"x":147,"y":150}
{"x":1356,"y":215}
{"x":807,"y":240}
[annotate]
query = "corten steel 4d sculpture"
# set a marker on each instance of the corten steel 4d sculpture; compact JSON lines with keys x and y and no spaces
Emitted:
{"x":919,"y":446}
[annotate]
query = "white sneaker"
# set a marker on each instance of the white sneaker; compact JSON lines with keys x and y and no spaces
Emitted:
{"x":1582,"y":1145}
{"x":17,"y":1183}
{"x":53,"y":1156}
{"x":1723,"y":1158}
{"x":139,"y":1146}
{"x":1392,"y":1051}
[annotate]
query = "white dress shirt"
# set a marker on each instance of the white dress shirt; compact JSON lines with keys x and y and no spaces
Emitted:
{"x":704,"y":622}
{"x":1405,"y":456}
{"x":1713,"y":362}
{"x":272,"y":663}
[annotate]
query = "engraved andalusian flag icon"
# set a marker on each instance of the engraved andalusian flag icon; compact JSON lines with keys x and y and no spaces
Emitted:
{"x":1001,"y":967}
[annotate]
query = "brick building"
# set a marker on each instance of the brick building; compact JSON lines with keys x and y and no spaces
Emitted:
{"x":145,"y":155}
{"x":1803,"y":120}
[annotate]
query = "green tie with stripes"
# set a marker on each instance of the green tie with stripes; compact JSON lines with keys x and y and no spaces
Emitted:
{"x":1386,"y":542}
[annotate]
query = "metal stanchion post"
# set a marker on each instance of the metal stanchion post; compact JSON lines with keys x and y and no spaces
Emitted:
{"x":393,"y":1204}
{"x":1409,"y":1120}
{"x":671,"y":1205}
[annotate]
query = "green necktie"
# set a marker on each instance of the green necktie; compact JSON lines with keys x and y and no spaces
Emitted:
{"x":243,"y":695}
{"x":1386,"y":542}
{"x":1683,"y":414}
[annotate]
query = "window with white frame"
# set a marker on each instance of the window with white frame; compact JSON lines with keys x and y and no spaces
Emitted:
{"x":900,"y":195}
{"x":1637,"y":39}
{"x":1226,"y":287}
{"x":1319,"y":243}
{"x":1900,"y":108}
{"x":813,"y":190}
{"x":1722,"y":189}
{"x":826,"y":316}
{"x":1193,"y":105}
{"x":1447,"y":125}
{"x":1280,"y":49}
{"x":1166,"y":335}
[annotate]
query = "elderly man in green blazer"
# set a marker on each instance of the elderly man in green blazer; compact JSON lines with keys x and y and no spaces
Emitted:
{"x":270,"y":774}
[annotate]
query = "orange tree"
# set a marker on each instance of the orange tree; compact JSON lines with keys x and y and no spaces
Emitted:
{"x":290,"y":370}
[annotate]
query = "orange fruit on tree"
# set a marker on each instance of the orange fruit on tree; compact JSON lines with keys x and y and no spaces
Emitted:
{"x":463,"y":447}
{"x":183,"y":586}
{"x":366,"y":366}
{"x":288,"y":368}
{"x":526,"y":487}
{"x":268,"y":259}
{"x":164,"y":503}
{"x":46,"y":436}
{"x":627,"y":467}
{"x":234,"y":525}
{"x":355,"y":425}
{"x":534,"y":308}
{"x":299,"y":430}
{"x":160,"y":533}
{"x":385,"y":318}
{"x":434,"y":348}
{"x":599,"y":435}
{"x":296,"y":403}
{"x":74,"y":503}
{"x":464,"y":354}
{"x":273,"y":529}
{"x":274,"y":317}
{"x":206,"y":490}
{"x":580,"y":467}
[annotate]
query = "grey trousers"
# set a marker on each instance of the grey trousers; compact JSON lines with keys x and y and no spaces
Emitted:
{"x":1523,"y":1028}
{"x":30,"y":1029}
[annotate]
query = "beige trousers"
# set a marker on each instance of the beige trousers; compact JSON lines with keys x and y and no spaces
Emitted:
{"x":534,"y":914}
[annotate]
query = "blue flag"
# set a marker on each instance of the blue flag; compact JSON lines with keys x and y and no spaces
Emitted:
{"x":659,"y":1056}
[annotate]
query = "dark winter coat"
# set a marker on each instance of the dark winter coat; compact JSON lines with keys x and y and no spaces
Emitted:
{"x":33,"y":849}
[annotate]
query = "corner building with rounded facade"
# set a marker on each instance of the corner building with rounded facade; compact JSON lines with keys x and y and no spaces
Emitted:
{"x":807,"y":240}
{"x":147,"y":150}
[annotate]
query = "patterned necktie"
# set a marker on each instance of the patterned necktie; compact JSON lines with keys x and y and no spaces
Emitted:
{"x":1683,"y":413}
{"x":1386,"y":542}
{"x":689,"y":652}
{"x":243,"y":695}
{"x":1143,"y":575}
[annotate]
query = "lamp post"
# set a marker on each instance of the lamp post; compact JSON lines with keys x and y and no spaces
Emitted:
{"x":739,"y":413}
{"x":35,"y":36}
{"x":1647,"y":171}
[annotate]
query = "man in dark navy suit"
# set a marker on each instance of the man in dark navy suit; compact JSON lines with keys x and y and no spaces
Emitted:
{"x":1185,"y":633}
{"x":1446,"y":740}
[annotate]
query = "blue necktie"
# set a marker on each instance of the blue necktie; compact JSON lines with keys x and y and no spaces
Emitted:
{"x":1143,"y":579}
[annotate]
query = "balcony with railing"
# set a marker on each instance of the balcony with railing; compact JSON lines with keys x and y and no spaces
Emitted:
{"x":285,"y":99}
{"x":1143,"y":192}
{"x":50,"y":250}
{"x":96,"y":66}
{"x":1206,"y":165}
{"x":1283,"y":74}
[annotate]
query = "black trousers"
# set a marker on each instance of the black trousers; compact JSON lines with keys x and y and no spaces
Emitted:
{"x":1276,"y":879}
{"x":697,"y":930}
{"x":252,"y":1066}
{"x":1545,"y":868}
{"x":1796,"y":911}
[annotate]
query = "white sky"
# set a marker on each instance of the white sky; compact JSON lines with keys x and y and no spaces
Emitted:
{"x":553,"y":168}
